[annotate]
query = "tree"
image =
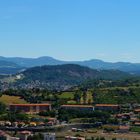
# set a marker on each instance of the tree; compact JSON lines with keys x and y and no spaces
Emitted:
{"x":77,"y":97}
{"x":2,"y":108}
{"x":51,"y":113}
{"x":84,"y":97}
{"x":102,"y":138}
{"x":89,"y":101}
{"x":13,"y":116}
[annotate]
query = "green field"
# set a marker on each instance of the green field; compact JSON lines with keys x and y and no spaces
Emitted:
{"x":70,"y":97}
{"x":135,"y":129}
{"x":6,"y":99}
{"x":67,"y":95}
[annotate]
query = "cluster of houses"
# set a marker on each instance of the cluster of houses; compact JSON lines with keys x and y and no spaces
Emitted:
{"x":21,"y":135}
{"x":24,"y":135}
{"x":36,"y":108}
{"x":37,"y":122}
{"x":132,"y":116}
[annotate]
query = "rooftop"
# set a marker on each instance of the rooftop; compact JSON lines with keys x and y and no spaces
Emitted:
{"x":30,"y":104}
{"x":107,"y":105}
{"x":124,"y":127}
{"x":137,"y":110}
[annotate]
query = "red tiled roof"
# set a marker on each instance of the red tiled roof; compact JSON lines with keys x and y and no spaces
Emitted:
{"x":106,"y":105}
{"x":123,"y":127}
{"x":2,"y":133}
{"x":137,"y":110}
{"x":25,"y":132}
{"x":137,"y":123}
{"x":30,"y":104}
{"x":51,"y":119}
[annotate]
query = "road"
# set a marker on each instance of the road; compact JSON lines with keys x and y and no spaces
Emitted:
{"x":64,"y":130}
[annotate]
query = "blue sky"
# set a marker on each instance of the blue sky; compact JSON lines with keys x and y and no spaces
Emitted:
{"x":71,"y":29}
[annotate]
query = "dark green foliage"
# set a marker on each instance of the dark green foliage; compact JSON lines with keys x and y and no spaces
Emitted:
{"x":102,"y":138}
{"x":14,"y":116}
{"x":77,"y":96}
{"x":48,"y":113}
{"x":113,"y":121}
{"x":117,"y":96}
{"x":2,"y":108}
{"x":135,"y":129}
{"x":66,"y":115}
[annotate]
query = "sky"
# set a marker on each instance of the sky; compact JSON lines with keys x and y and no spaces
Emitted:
{"x":71,"y":29}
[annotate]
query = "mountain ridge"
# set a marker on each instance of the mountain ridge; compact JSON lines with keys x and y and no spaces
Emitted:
{"x":93,"y":63}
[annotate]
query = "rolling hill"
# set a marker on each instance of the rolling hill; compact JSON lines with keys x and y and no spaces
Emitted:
{"x":61,"y":77}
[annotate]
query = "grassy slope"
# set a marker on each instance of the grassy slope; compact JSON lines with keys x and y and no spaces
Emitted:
{"x":11,"y":100}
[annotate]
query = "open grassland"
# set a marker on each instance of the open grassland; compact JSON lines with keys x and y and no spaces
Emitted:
{"x":6,"y":99}
{"x":67,"y":95}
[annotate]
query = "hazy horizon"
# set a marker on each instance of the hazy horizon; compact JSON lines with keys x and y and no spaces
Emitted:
{"x":68,"y":60}
{"x":71,"y":30}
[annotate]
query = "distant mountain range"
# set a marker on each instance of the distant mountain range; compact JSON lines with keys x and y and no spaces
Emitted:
{"x":15,"y":64}
{"x":61,"y":77}
{"x":7,"y":67}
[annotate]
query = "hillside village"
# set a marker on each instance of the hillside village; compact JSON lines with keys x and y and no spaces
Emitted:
{"x":73,"y":118}
{"x":96,"y":109}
